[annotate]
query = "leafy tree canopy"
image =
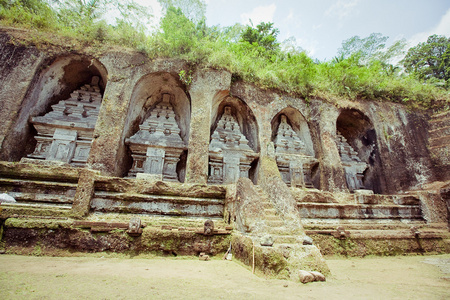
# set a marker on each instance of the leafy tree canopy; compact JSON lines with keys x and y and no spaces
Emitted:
{"x":194,"y":10}
{"x":264,"y":35}
{"x":371,"y":48}
{"x":365,"y":68}
{"x":430,"y":59}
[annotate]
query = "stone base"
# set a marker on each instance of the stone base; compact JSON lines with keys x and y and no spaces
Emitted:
{"x":63,"y":237}
{"x":281,"y":261}
{"x":149,"y":177}
{"x":25,"y":160}
{"x":363,"y":192}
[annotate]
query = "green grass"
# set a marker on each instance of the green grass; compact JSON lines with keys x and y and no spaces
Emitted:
{"x":223,"y":48}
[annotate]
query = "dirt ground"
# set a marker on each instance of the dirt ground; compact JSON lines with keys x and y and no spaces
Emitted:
{"x":90,"y":277}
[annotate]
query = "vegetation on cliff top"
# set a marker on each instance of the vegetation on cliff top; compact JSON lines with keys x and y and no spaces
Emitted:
{"x":362,"y":69}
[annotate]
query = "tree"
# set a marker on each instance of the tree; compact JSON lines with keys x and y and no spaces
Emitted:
{"x":194,"y":10}
{"x":84,"y":13}
{"x":264,"y":35}
{"x":430,"y":59}
{"x":371,"y":48}
{"x":33,"y":13}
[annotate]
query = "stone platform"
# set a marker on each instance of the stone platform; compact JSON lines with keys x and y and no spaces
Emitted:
{"x":62,"y":208}
{"x":110,"y":233}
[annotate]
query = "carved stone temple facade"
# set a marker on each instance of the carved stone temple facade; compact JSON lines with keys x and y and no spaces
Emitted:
{"x":230,"y":155}
{"x":65,"y":133}
{"x":157,"y":146}
{"x":229,"y":128}
{"x":294,"y":163}
{"x":136,"y":139}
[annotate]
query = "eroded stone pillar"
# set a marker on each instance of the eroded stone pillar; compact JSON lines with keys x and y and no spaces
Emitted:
{"x":205,"y":86}
{"x":20,"y":67}
{"x":85,"y":191}
{"x":332,"y":177}
{"x":106,"y":145}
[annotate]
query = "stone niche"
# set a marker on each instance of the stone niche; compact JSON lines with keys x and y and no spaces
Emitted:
{"x":230,"y":156}
{"x":65,"y":133}
{"x":60,"y":77}
{"x":295,"y":161}
{"x":157,"y":146}
{"x":156,"y":132}
{"x":356,"y":141}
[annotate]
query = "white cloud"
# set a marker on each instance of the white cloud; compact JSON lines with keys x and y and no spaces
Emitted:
{"x":259,"y":14}
{"x":315,"y":27}
{"x":290,"y":16}
{"x":156,"y":10}
{"x":342,"y":8}
{"x":442,"y":28}
{"x":310,"y":46}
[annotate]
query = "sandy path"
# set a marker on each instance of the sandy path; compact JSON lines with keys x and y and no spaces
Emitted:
{"x":24,"y":277}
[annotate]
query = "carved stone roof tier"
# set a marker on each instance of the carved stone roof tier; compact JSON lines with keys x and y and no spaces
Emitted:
{"x":347,"y":153}
{"x":80,"y":111}
{"x":160,"y":129}
{"x":287,"y":140}
{"x":228,"y":136}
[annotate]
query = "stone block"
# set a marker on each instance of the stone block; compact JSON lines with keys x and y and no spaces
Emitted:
{"x":318,"y":276}
{"x":149,"y":177}
{"x":307,"y":240}
{"x":267,"y":241}
{"x":305,"y":276}
{"x":5,"y":198}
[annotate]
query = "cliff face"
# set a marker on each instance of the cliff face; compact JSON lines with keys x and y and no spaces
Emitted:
{"x":390,"y":140}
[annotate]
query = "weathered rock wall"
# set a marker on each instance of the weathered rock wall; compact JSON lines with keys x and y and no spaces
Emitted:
{"x":388,"y":137}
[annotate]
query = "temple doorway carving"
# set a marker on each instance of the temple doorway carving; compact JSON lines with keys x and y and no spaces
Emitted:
{"x":294,"y":151}
{"x":157,"y":129}
{"x":64,"y":131}
{"x":233,"y":147}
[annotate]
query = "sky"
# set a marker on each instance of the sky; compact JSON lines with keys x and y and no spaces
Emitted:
{"x":320,"y":26}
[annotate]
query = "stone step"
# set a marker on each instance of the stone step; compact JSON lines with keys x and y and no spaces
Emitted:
{"x":442,"y":131}
{"x":267,"y":205}
{"x":36,"y":205}
{"x":272,"y":218}
{"x":41,"y":198}
{"x":445,"y":114}
{"x":30,"y":184}
{"x":32,"y":191}
{"x":156,"y":198}
{"x":277,"y":230}
{"x":156,"y":204}
{"x":367,"y":224}
{"x":362,"y":211}
{"x":440,"y":141}
{"x":156,"y":220}
{"x":440,"y":122}
{"x":275,"y":223}
{"x":441,"y":148}
{"x":270,"y":211}
{"x":284,"y":245}
{"x":386,"y":234}
{"x":357,"y":198}
{"x":287,"y":239}
{"x":442,"y":154}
